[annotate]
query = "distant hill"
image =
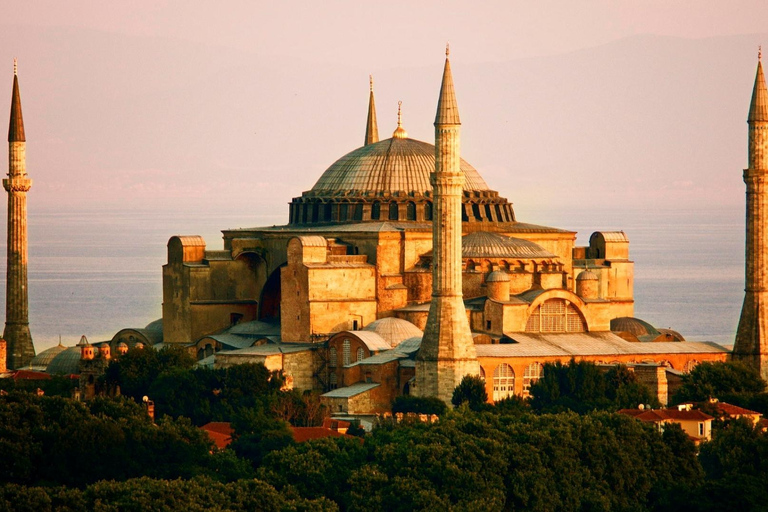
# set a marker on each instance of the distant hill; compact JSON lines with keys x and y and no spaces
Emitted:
{"x":149,"y":122}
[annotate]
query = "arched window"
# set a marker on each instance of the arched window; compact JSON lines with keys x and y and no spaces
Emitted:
{"x":393,"y":213}
{"x":346,"y":352}
{"x":208,"y":350}
{"x":555,"y":315}
{"x":357,"y":212}
{"x":327,"y":210}
{"x":343,"y":211}
{"x":376,"y":210}
{"x":503,"y":382}
{"x":334,"y":381}
{"x":360,"y":354}
{"x":531,"y":374}
{"x":410,"y":211}
{"x":332,"y":357}
{"x":482,"y":373}
{"x":428,"y":211}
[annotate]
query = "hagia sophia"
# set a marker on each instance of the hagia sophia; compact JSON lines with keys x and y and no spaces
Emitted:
{"x":401,"y":271}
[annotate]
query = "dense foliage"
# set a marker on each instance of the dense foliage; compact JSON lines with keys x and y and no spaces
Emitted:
{"x":732,"y":382}
{"x":582,"y":387}
{"x":470,"y":391}
{"x":106,"y":454}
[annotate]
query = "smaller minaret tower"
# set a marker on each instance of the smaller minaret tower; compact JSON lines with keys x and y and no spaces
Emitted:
{"x":447,"y":350}
{"x":20,"y":347}
{"x":751,"y":344}
{"x":372,"y":127}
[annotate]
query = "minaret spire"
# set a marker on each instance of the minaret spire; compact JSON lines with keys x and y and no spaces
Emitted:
{"x":16,"y":333}
{"x":16,"y":127}
{"x":758,"y":107}
{"x":371,"y":127}
{"x":751,"y":344}
{"x":447,"y":350}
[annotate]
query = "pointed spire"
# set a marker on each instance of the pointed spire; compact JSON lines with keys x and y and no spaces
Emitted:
{"x":758,"y":108}
{"x":16,"y":128}
{"x":400,"y":132}
{"x":447,"y":109}
{"x":372,"y":127}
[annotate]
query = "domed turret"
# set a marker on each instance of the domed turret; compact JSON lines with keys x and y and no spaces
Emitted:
{"x":104,"y":351}
{"x":122,"y":348}
{"x":587,"y":285}
{"x":497,"y":286}
{"x":86,"y":349}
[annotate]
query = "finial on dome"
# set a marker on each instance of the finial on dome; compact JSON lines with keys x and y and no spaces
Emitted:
{"x":15,"y":66}
{"x":447,"y":49}
{"x":370,"y":79}
{"x":400,"y":132}
{"x":759,"y":53}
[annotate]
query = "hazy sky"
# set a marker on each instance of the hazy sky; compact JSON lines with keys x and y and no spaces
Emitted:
{"x":213,"y":104}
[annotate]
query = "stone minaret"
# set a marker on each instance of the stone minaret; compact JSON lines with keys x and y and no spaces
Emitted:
{"x":372,"y":127}
{"x":20,"y":348}
{"x":447,"y":351}
{"x":752,"y":337}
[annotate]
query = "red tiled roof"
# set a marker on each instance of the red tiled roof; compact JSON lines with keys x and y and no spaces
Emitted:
{"x":30,"y":375}
{"x":220,"y":433}
{"x":734,"y":410}
{"x":656,"y":415}
{"x":301,"y":434}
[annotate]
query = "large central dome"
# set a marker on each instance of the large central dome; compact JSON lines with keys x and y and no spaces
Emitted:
{"x":388,"y":180}
{"x":391,"y":165}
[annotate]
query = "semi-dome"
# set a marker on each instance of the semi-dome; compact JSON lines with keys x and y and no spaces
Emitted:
{"x":633,"y":326}
{"x":482,"y":244}
{"x":394,"y":330}
{"x":391,"y":165}
{"x":66,"y":362}
{"x":44,"y":358}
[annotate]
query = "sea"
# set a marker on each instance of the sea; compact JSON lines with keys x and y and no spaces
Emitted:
{"x":94,"y":272}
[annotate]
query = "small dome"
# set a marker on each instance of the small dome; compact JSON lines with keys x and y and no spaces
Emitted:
{"x":672,"y":334}
{"x":482,"y":244}
{"x":44,"y":358}
{"x":633,"y":326}
{"x":497,"y":276}
{"x":66,"y":362}
{"x":394,"y":330}
{"x":83,"y":341}
{"x":587,"y":275}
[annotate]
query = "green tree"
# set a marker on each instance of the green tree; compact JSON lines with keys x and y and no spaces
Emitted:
{"x":582,"y":387}
{"x":730,"y":381}
{"x":419,"y":405}
{"x":471,"y":390}
{"x":136,"y":370}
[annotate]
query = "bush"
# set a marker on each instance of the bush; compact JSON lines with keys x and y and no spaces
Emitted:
{"x":419,"y":405}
